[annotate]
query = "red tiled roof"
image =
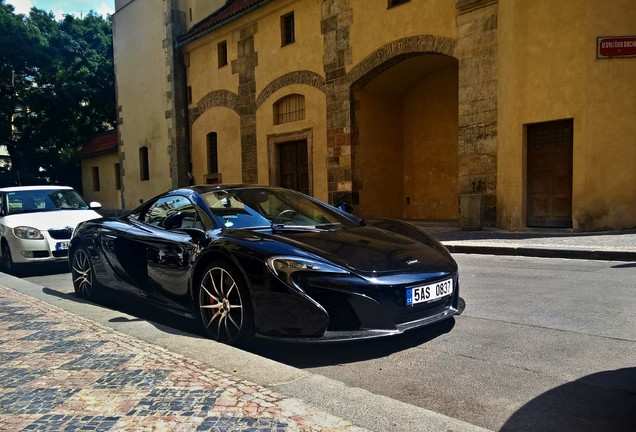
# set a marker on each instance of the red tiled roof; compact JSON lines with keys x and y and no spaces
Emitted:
{"x":103,"y":143}
{"x":231,"y":9}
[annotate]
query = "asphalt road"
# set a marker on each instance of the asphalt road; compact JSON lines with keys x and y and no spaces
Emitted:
{"x":544,"y":344}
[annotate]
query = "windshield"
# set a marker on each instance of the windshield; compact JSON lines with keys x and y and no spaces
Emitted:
{"x":254,"y":208}
{"x":41,"y":200}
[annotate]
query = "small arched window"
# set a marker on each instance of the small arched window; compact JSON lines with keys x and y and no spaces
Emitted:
{"x":289,"y":109}
{"x":144,"y":172}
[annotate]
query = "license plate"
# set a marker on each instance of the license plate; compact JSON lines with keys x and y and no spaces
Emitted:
{"x":62,"y":245}
{"x":429,"y":293}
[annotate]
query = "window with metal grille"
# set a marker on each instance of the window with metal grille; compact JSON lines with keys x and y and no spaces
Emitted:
{"x":144,"y":172}
{"x":287,"y":30}
{"x":221,"y":51}
{"x":96,"y":179}
{"x":289,"y":109}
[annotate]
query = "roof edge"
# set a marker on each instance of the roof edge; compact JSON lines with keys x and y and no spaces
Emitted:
{"x":196,"y":33}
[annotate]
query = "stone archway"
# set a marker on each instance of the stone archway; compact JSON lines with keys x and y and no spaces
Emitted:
{"x":406,"y":122}
{"x":404,"y":130}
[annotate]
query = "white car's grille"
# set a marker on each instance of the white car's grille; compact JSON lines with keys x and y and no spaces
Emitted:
{"x":61,"y":234}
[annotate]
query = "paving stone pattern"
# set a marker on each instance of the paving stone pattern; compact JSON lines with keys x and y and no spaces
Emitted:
{"x":61,"y":372}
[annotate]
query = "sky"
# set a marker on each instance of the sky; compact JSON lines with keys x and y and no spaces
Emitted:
{"x":64,"y":7}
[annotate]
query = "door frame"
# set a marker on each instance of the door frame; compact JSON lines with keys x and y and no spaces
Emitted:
{"x":274,"y":157}
{"x":548,"y":222}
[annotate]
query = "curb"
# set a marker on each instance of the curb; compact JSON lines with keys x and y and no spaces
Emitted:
{"x":599,"y":255}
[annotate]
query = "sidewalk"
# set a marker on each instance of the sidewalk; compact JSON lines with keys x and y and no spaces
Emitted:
{"x":60,"y":371}
{"x":547,"y":243}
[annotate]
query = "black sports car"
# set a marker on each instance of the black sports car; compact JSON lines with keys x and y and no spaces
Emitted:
{"x":256,"y":260}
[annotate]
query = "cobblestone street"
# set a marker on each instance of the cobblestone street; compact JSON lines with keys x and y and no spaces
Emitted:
{"x":59,"y":371}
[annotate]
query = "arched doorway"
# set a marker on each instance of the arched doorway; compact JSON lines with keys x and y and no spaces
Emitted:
{"x":406,"y":157}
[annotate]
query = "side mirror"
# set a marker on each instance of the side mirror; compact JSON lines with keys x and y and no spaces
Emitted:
{"x":347,"y":208}
{"x":173,"y":221}
{"x":94,"y":205}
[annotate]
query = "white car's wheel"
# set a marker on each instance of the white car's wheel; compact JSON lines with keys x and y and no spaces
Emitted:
{"x":8,"y":265}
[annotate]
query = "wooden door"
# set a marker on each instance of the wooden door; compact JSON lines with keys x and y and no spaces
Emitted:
{"x":294,"y":166}
{"x":550,"y":174}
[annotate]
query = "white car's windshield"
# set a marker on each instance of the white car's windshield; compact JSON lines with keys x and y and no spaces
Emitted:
{"x":254,"y":208}
{"x":40,"y":200}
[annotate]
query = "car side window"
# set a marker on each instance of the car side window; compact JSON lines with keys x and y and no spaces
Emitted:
{"x":174,"y":212}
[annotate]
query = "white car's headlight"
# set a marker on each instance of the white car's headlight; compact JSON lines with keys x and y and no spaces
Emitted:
{"x":27,"y":233}
{"x":285,"y":266}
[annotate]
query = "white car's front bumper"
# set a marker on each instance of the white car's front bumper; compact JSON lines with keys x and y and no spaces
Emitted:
{"x":47,"y":249}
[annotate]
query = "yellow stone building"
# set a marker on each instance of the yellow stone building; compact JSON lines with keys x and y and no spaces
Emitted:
{"x":512,"y":113}
{"x":101,"y":177}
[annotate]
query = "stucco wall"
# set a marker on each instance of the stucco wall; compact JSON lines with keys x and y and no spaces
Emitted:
{"x":305,"y":53}
{"x":142,"y":97}
{"x":554,"y":74}
{"x":225,"y":123}
{"x":197,"y":10}
{"x":108,"y":196}
{"x":374,"y":26}
{"x":380,"y":153}
{"x":430,"y":148}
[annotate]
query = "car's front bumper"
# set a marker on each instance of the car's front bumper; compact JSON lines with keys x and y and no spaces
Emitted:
{"x":323,"y":308}
{"x":48,"y":249}
{"x":362,"y":334}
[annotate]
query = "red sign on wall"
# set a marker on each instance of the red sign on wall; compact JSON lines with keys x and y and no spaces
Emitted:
{"x":615,"y":46}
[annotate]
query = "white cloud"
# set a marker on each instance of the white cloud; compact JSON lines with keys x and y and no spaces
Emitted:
{"x":21,"y":6}
{"x":105,"y":9}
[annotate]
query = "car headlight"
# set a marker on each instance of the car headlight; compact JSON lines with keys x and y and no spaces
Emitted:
{"x":27,"y":233}
{"x":284,"y":266}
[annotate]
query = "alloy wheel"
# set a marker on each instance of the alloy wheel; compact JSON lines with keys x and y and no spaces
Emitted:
{"x":82,"y":274}
{"x":221,"y":305}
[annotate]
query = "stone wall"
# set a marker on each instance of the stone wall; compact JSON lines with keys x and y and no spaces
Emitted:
{"x":477,"y":54}
{"x":336,"y":19}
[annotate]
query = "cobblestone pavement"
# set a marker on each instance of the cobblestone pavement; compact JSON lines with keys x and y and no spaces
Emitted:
{"x":62,"y":372}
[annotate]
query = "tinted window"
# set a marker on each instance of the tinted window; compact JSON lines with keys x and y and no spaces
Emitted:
{"x":251,"y":208}
{"x":174,"y":212}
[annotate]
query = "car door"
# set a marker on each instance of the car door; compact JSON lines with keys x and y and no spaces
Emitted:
{"x":173,"y":234}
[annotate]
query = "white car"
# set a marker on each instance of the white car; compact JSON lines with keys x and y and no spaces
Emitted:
{"x":37,"y":222}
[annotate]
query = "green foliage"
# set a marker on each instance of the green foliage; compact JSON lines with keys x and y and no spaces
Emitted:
{"x":57,"y":91}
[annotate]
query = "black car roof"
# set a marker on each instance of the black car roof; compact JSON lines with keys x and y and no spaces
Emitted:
{"x":201,"y":189}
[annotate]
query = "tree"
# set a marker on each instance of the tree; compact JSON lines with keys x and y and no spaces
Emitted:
{"x":57,"y":91}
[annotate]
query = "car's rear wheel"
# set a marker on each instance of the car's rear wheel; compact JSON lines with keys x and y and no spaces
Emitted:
{"x":82,"y":273}
{"x":224,"y":304}
{"x":8,"y":265}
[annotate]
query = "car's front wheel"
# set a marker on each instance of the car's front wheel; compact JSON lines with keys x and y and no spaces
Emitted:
{"x":224,"y":304}
{"x":8,"y":265}
{"x":82,"y":272}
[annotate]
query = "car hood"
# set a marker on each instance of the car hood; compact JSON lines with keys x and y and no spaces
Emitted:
{"x":368,"y":250}
{"x":50,"y":219}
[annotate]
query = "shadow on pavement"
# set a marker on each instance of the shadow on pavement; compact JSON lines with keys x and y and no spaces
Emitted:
{"x":300,"y":355}
{"x":604,"y":401}
{"x":44,"y":269}
{"x":307,"y":355}
{"x":130,"y":305}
